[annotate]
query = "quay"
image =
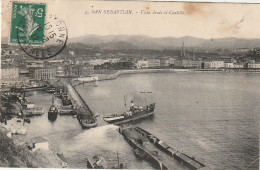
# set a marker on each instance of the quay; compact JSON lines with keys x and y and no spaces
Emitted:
{"x":156,"y":151}
{"x":85,"y":115}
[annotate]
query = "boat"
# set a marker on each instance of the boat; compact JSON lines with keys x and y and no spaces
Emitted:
{"x":86,"y":119}
{"x":30,"y":87}
{"x":67,"y":110}
{"x":53,"y":111}
{"x":51,"y":89}
{"x":65,"y":100}
{"x":135,"y":113}
{"x":96,"y":162}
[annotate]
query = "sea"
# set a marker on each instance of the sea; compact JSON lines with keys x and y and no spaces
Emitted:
{"x":212,"y":116}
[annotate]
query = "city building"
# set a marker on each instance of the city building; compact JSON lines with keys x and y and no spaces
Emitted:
{"x":87,"y":70}
{"x":213,"y":64}
{"x":238,"y":65}
{"x":9,"y":74}
{"x":217,"y":64}
{"x":45,"y":73}
{"x":76,"y":70}
{"x":253,"y":66}
{"x":153,"y":63}
{"x":95,"y":62}
{"x":142,"y":64}
{"x":228,"y":65}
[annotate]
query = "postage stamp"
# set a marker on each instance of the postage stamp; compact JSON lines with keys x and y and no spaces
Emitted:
{"x":32,"y":16}
{"x":54,"y":38}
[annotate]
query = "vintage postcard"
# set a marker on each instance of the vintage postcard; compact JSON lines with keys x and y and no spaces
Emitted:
{"x":129,"y":85}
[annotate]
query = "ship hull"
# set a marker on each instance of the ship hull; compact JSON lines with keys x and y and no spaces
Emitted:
{"x":136,"y":117}
{"x":52,"y":116}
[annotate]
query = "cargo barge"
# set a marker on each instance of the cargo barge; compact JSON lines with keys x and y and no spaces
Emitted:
{"x":160,"y":154}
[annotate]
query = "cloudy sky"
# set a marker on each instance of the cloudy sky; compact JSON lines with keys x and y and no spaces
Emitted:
{"x":204,"y":20}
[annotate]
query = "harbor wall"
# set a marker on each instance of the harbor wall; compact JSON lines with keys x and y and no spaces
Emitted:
{"x":77,"y":97}
{"x":102,"y":77}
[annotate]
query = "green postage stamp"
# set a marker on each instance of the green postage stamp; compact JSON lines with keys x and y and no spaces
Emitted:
{"x":27,"y":23}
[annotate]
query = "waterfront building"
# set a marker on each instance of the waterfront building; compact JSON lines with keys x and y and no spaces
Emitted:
{"x":76,"y":70}
{"x":45,"y":73}
{"x":142,"y":64}
{"x":95,"y":62}
{"x":60,"y":71}
{"x":213,"y":64}
{"x":207,"y":65}
{"x":178,"y":63}
{"x":228,"y":65}
{"x":165,"y":62}
{"x":114,"y":60}
{"x":253,"y":66}
{"x":217,"y":64}
{"x":87,"y":70}
{"x":9,"y":74}
{"x":152,"y":63}
{"x":238,"y":65}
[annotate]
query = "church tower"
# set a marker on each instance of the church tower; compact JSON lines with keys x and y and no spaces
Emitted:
{"x":182,"y":50}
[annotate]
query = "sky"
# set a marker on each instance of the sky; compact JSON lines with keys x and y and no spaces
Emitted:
{"x":203,"y":20}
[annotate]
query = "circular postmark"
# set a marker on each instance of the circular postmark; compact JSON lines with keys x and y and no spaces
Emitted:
{"x":42,"y":41}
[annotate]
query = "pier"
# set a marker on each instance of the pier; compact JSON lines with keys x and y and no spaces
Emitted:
{"x":73,"y":93}
{"x":158,"y":152}
{"x":85,"y":116}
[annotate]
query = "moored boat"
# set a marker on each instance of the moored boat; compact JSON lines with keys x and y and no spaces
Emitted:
{"x":53,"y":111}
{"x":96,"y":162}
{"x":135,"y":113}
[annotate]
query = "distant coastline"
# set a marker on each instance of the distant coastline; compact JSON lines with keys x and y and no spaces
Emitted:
{"x":103,"y":77}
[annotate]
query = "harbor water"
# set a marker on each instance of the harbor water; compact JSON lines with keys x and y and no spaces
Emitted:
{"x":210,"y":116}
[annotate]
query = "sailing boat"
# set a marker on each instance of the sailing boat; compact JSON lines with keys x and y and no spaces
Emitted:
{"x":53,"y":111}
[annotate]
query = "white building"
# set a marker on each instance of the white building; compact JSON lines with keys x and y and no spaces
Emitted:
{"x":142,"y":64}
{"x":217,"y":64}
{"x":45,"y":73}
{"x":153,"y":63}
{"x":238,"y":66}
{"x":9,"y":74}
{"x":95,"y":62}
{"x":254,"y":66}
{"x":213,"y":64}
{"x":229,"y":65}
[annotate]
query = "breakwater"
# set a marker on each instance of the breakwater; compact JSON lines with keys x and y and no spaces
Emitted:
{"x":77,"y":98}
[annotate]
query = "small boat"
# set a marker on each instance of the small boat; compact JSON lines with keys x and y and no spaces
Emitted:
{"x":96,"y":162}
{"x":51,"y":89}
{"x":65,"y":100}
{"x":53,"y":111}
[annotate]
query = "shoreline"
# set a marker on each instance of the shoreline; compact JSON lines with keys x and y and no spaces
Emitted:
{"x":103,"y":77}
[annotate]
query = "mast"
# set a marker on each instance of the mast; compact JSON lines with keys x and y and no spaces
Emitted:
{"x":144,"y":97}
{"x":52,"y":100}
{"x":149,"y":92}
{"x":125,"y":101}
{"x":117,"y":159}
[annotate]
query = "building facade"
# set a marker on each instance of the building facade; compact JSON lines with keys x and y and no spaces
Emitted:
{"x":153,"y":63}
{"x":142,"y":64}
{"x":45,"y":73}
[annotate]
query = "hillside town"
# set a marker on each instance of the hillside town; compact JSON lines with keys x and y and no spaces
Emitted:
{"x":18,"y":69}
